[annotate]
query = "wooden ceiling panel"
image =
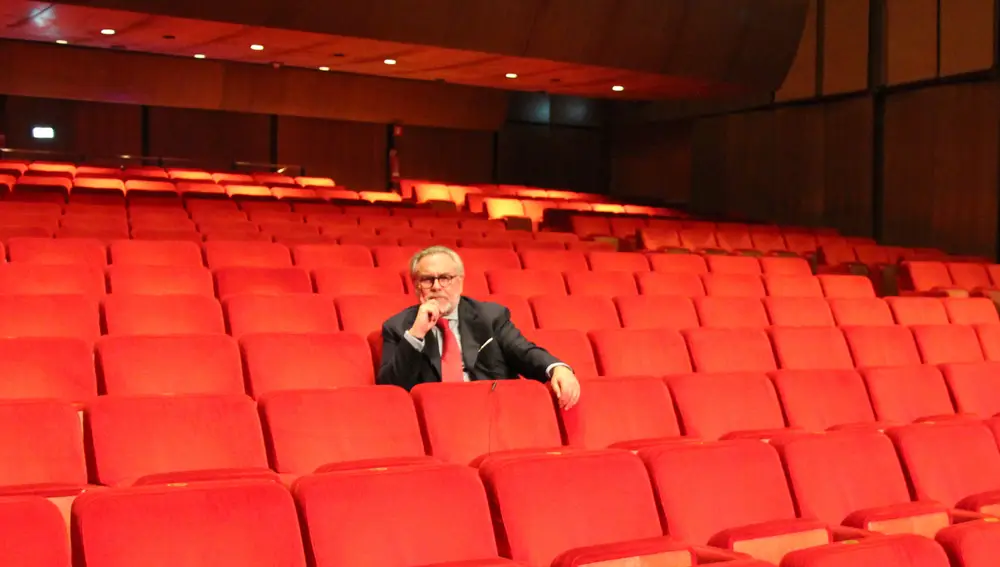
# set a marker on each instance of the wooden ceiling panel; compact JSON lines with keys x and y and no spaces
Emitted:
{"x":699,"y":39}
{"x":218,"y":41}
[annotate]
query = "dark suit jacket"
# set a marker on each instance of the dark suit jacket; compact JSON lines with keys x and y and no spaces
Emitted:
{"x":507,"y":356}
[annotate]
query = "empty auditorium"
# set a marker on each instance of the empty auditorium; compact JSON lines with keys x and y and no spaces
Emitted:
{"x":487,"y":283}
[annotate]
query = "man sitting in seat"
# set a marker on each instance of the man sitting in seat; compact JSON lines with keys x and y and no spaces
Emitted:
{"x":450,"y":338}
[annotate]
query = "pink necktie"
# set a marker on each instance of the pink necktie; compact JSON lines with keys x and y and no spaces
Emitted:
{"x":451,"y":354}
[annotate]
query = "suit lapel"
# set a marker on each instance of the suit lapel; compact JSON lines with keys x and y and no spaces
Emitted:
{"x":472,"y":334}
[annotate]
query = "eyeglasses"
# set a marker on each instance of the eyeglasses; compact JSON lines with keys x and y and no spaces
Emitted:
{"x":427,"y":282}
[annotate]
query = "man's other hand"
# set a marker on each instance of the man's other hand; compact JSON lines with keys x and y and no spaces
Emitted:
{"x":566,"y":386}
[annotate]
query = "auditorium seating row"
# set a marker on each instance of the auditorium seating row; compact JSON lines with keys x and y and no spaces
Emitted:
{"x":274,"y":255}
{"x":344,"y":518}
{"x":951,"y":278}
{"x":851,"y":476}
{"x":193,"y":353}
{"x":182,"y":300}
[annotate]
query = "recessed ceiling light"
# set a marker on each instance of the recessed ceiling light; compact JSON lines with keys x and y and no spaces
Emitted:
{"x":618,"y":88}
{"x":199,"y":55}
{"x":511,"y":75}
{"x":61,"y":41}
{"x":107,"y":31}
{"x":390,"y":61}
{"x":324,"y":68}
{"x":257,"y":47}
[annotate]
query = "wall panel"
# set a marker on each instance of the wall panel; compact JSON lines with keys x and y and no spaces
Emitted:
{"x":848,"y":146}
{"x":800,"y":82}
{"x":354,"y":154}
{"x":911,"y":40}
{"x":652,"y":161}
{"x":803,"y":165}
{"x":941,"y":168}
{"x":845,"y":46}
{"x":967,"y":30}
{"x":213,"y":137}
{"x":93,"y":129}
{"x":453,"y":156}
{"x":552,"y":156}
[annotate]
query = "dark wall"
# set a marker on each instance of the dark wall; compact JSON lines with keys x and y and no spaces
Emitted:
{"x":214,"y":137}
{"x":941,"y":152}
{"x":353,"y":153}
{"x":652,"y":161}
{"x":456,"y":156}
{"x":89,"y":128}
{"x":800,"y":165}
{"x":554,"y":141}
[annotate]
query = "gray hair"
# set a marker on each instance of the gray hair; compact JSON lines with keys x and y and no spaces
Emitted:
{"x":432,"y":251}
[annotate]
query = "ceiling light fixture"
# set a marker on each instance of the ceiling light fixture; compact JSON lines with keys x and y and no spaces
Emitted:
{"x":324,"y":68}
{"x":257,"y":47}
{"x":61,"y":41}
{"x":390,"y":61}
{"x":107,"y":31}
{"x":618,"y":88}
{"x":199,"y":55}
{"x":511,"y":75}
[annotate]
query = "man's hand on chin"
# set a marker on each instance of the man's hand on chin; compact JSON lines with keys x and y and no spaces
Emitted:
{"x":566,"y":386}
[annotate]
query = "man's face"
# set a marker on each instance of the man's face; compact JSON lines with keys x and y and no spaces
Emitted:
{"x":427,"y":281}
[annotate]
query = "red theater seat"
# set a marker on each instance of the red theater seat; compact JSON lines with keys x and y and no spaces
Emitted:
{"x":221,"y":254}
{"x":358,"y":280}
{"x":340,"y":256}
{"x":261,"y":281}
{"x":34,"y":279}
{"x":670,"y":283}
{"x":182,"y":438}
{"x":561,"y":261}
{"x":155,"y":253}
{"x":45,"y":440}
{"x":811,"y":348}
{"x":568,"y":345}
{"x":713,"y":406}
{"x":360,"y":427}
{"x":526,"y":283}
{"x":882,"y":346}
{"x":640,"y":352}
{"x":792,"y":286}
{"x":72,"y":251}
{"x":446,"y":522}
{"x":774,"y":266}
{"x":246,"y":523}
{"x":861,"y":311}
{"x":905,"y":394}
{"x":365,"y":314}
{"x":900,"y":550}
{"x":597,"y":420}
{"x":733,"y":285}
{"x":745,"y":265}
{"x":939,"y":344}
{"x":975,"y":387}
{"x":42,"y":367}
{"x":656,"y":312}
{"x":600,"y":521}
{"x":817,"y":400}
{"x":463,"y":422}
{"x":700,"y":504}
{"x":918,"y":310}
{"x":678,"y":263}
{"x":65,"y":316}
{"x":34,"y":533}
{"x":288,"y":313}
{"x":161,"y":280}
{"x":608,"y":284}
{"x":128,"y":314}
{"x":306,"y":361}
{"x":731,"y":312}
{"x":181,"y":364}
{"x":582,"y":312}
{"x":617,"y":262}
{"x":798,"y":311}
{"x":971,"y":311}
{"x":843,"y":286}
